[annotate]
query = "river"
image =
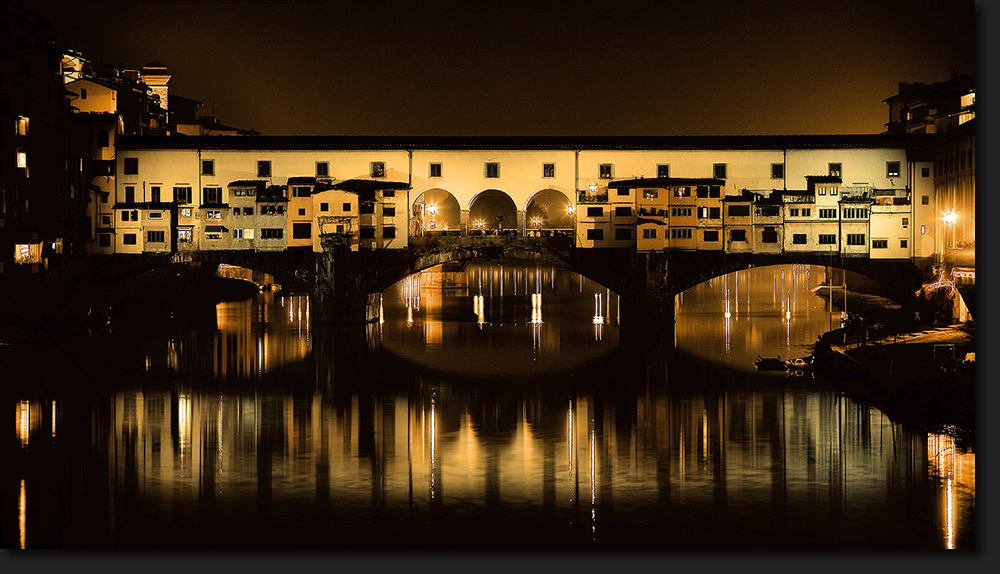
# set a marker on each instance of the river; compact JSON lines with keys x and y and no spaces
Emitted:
{"x":499,"y":406}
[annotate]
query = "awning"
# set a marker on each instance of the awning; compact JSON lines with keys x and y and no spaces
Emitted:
{"x":215,"y":229}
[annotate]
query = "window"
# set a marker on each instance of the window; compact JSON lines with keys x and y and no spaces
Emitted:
{"x":104,"y":240}
{"x":595,"y":234}
{"x":880,"y":243}
{"x":248,"y":211}
{"x":769,"y":235}
{"x":492,"y":169}
{"x":701,"y":191}
{"x":243,"y":233}
{"x":213,"y":214}
{"x":154,"y":194}
{"x":828,"y":213}
{"x":595,"y":212}
{"x":680,"y":212}
{"x":213,"y":235}
{"x":902,"y":243}
{"x":624,"y":211}
{"x":799,"y":238}
{"x":714,"y":191}
{"x":366,"y":207}
{"x":663,"y":170}
{"x":806,"y":211}
{"x":793,"y":212}
{"x":820,"y":191}
{"x":272,"y":233}
{"x":106,"y":220}
{"x":155,"y":215}
{"x":827,"y":239}
{"x":324,"y":206}
{"x":388,"y":193}
{"x":83,"y":93}
{"x":650,"y":193}
{"x":624,"y":190}
{"x":925,"y":200}
{"x":719,"y":171}
{"x":184,"y":235}
{"x":681,"y":234}
{"x":301,"y":230}
{"x":834,"y":169}
{"x":649,"y":233}
{"x":347,"y":207}
{"x":322,"y":169}
{"x":368,"y":232}
{"x":124,"y":215}
{"x":548,"y":170}
{"x":434,"y":170}
{"x":892,"y":169}
{"x":208,"y":167}
{"x":263,"y":170}
{"x":623,"y":233}
{"x":155,"y":236}
{"x":681,"y":191}
{"x":182,"y":194}
{"x":606,"y":171}
{"x":855,"y":238}
{"x":211,"y":195}
{"x":777,"y":171}
{"x":128,"y":239}
{"x":186,"y":212}
{"x":737,"y":234}
{"x":377,"y":169}
{"x":854,"y":213}
{"x":708,"y":213}
{"x":739,"y":211}
{"x":22,"y":126}
{"x":388,"y":211}
{"x":388,"y":233}
{"x":906,"y":222}
{"x":131,"y":166}
{"x":925,"y":172}
{"x":129,"y":194}
{"x":301,"y":191}
{"x":302,"y":211}
{"x":834,"y":190}
{"x":710,"y":235}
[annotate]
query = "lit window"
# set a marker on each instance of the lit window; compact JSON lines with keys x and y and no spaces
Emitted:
{"x":22,"y":159}
{"x":548,"y":170}
{"x":378,"y":169}
{"x":606,"y":171}
{"x":892,"y":169}
{"x":22,"y":126}
{"x":663,"y":170}
{"x":834,"y":169}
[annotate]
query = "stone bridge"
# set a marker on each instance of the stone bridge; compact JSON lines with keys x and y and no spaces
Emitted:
{"x":346,"y":284}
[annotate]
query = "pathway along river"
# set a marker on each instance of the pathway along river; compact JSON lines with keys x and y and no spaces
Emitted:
{"x":496,"y":407}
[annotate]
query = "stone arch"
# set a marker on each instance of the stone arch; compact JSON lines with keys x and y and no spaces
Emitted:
{"x":549,"y":210}
{"x":493,"y":212}
{"x":436,"y":211}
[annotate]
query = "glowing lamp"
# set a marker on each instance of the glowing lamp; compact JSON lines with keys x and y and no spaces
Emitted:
{"x":949,"y":217}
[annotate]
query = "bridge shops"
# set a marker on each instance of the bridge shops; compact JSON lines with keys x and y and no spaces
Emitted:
{"x":856,"y":196}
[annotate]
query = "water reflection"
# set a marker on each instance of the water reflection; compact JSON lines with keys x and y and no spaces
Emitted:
{"x":337,"y":443}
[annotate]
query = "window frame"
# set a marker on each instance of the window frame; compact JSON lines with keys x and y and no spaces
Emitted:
{"x":263,"y":168}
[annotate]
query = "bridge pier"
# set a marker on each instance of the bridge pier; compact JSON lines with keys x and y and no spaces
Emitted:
{"x":344,"y":288}
{"x":647,"y":301}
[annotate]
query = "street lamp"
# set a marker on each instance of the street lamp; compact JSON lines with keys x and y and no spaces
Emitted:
{"x":949,"y":218}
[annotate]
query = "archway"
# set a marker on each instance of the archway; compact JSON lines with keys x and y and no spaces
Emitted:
{"x":436,"y":211}
{"x":549,"y":211}
{"x":492,"y":212}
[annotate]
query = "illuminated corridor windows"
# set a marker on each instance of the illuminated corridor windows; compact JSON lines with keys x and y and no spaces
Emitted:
{"x":264,"y":168}
{"x":130,"y":166}
{"x":492,"y":169}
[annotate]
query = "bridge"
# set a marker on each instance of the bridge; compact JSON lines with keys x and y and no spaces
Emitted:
{"x":346,"y":284}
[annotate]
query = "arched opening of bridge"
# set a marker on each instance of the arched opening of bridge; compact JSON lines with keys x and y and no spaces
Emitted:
{"x":492,"y":212}
{"x":259,"y":278}
{"x":485,"y":317}
{"x":549,"y":212}
{"x":436,"y":212}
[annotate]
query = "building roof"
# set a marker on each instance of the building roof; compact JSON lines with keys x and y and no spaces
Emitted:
{"x":261,"y":142}
{"x":368,"y":185}
{"x":824,"y":179}
{"x":258,"y":183}
{"x":663,"y":182}
{"x":301,"y":180}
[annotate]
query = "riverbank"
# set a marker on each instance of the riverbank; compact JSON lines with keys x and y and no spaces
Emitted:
{"x":916,"y":374}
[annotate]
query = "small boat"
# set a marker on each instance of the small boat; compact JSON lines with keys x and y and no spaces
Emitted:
{"x":769,"y":364}
{"x":800,"y":364}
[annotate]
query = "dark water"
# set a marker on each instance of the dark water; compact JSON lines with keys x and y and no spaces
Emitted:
{"x":499,"y":407}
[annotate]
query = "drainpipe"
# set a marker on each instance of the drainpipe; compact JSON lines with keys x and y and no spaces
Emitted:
{"x":409,"y":184}
{"x":576,"y":194}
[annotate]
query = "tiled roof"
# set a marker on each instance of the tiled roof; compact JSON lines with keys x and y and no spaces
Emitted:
{"x":261,"y":142}
{"x":368,"y":185}
{"x":258,"y":183}
{"x":824,"y":179}
{"x":301,"y":180}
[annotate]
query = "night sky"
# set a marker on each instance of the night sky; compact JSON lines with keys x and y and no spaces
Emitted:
{"x":532,"y":68}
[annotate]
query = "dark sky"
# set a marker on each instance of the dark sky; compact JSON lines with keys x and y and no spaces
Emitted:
{"x":532,"y":68}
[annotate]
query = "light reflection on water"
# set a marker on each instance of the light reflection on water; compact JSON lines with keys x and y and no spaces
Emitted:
{"x":333,"y":443}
